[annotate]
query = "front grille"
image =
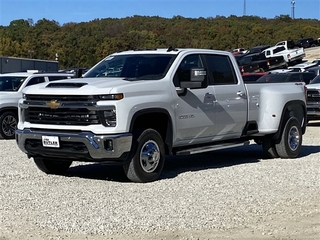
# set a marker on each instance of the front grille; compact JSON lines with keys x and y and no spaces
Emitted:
{"x":313,"y":96}
{"x":61,"y":116}
{"x":70,"y":110}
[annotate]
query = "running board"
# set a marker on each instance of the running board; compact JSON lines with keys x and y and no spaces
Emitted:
{"x":211,"y":148}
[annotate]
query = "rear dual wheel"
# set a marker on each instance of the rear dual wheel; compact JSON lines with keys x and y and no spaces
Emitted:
{"x":289,"y":144}
{"x":291,"y":139}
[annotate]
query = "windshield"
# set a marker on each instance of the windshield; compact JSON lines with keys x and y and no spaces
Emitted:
{"x":131,"y":67}
{"x":10,"y":83}
{"x":315,"y":80}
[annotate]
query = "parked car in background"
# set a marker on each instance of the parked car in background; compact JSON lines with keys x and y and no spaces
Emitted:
{"x":316,"y":61}
{"x":307,"y":42}
{"x":238,"y":51}
{"x":301,"y":67}
{"x":257,"y":49}
{"x":313,"y":99}
{"x":252,"y":77}
{"x":11,"y":86}
{"x":246,"y":67}
{"x":316,"y":80}
{"x":315,"y":70}
{"x":265,"y":64}
{"x":291,"y":56}
{"x":277,"y":77}
{"x":288,"y":44}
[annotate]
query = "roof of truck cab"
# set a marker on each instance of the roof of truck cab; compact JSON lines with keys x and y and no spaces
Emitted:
{"x":167,"y":51}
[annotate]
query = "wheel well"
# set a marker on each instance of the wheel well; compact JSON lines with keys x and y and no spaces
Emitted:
{"x":294,"y":109}
{"x":157,"y":120}
{"x":9,"y":109}
{"x":297,"y":111}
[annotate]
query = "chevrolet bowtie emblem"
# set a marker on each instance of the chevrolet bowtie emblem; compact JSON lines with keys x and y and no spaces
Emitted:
{"x":53,"y":104}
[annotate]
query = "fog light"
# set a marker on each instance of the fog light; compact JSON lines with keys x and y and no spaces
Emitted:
{"x":108,"y":145}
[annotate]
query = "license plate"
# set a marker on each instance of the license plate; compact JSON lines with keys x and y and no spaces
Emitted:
{"x":50,"y":141}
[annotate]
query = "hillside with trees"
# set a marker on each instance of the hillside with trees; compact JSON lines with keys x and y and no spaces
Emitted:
{"x":84,"y":44}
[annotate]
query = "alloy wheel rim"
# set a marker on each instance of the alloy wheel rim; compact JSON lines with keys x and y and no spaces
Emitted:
{"x":9,"y":125}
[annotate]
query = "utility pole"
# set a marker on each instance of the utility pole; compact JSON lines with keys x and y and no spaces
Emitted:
{"x":292,"y":8}
{"x":30,"y":53}
{"x":244,"y":7}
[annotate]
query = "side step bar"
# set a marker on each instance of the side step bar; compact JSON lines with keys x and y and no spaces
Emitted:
{"x":211,"y":148}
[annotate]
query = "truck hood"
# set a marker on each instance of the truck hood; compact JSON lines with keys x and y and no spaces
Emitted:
{"x":79,"y":86}
{"x":96,"y":86}
{"x":313,"y":86}
{"x":6,"y":95}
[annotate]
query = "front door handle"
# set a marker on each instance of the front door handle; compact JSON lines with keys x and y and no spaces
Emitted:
{"x":241,"y":94}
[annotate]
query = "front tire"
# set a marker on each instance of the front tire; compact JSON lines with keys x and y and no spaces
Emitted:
{"x":50,"y":166}
{"x":8,"y":125}
{"x":291,"y":139}
{"x":148,"y":156}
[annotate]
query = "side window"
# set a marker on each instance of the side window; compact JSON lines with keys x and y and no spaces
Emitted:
{"x":183,"y":72}
{"x":55,"y":78}
{"x":294,"y":78}
{"x":35,"y":80}
{"x":221,"y":70}
{"x":308,"y":76}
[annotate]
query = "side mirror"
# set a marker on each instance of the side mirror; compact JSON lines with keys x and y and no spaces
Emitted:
{"x":197,"y":77}
{"x":79,"y":73}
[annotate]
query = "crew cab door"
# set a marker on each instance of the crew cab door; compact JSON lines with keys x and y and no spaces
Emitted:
{"x":194,"y":107}
{"x":230,"y":95}
{"x":214,"y":112}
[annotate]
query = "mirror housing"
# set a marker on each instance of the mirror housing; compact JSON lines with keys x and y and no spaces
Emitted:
{"x":197,"y":77}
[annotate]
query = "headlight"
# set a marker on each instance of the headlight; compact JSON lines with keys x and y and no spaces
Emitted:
{"x":117,"y":96}
{"x":110,"y":117}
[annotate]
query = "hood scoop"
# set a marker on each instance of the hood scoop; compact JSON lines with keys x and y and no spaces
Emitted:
{"x":65,"y":85}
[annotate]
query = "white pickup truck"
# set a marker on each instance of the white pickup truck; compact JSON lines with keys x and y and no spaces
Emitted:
{"x":135,"y":107}
{"x":291,"y":56}
{"x":11,"y":86}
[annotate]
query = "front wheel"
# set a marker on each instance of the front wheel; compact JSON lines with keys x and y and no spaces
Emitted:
{"x":51,"y":166}
{"x":8,"y":125}
{"x":291,"y":139}
{"x":148,"y":156}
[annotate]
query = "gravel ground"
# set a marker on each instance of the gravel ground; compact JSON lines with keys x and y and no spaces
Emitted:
{"x":312,"y":53}
{"x":229,"y":194}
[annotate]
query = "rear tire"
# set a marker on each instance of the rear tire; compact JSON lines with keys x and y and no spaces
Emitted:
{"x":291,"y":139}
{"x":8,"y":125}
{"x":50,"y":166}
{"x":148,"y":156}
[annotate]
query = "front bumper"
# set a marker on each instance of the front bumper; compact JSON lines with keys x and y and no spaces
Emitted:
{"x":81,"y":146}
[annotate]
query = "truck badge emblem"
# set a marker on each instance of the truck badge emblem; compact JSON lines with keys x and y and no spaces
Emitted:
{"x":53,"y":104}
